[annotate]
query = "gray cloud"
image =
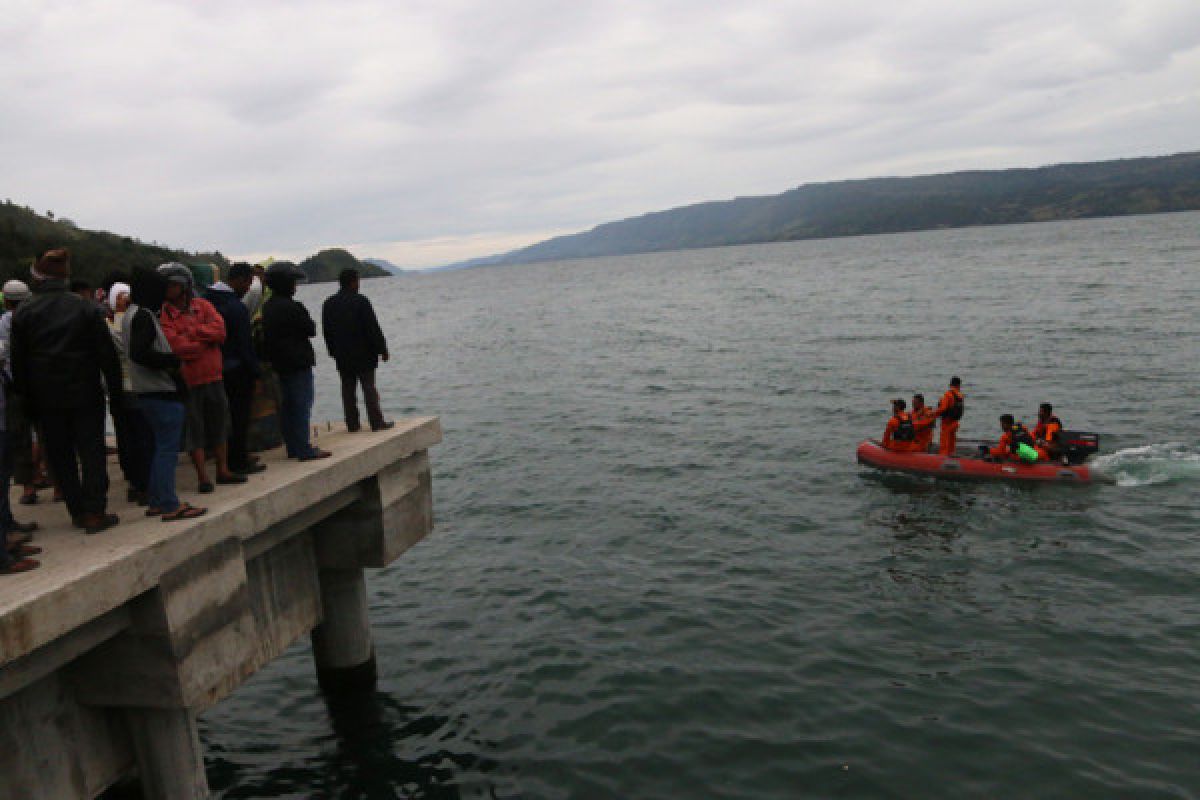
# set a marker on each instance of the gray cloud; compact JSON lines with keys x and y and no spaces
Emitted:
{"x":422,"y":129}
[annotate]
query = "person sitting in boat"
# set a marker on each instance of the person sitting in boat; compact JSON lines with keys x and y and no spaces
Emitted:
{"x":1016,"y":443}
{"x":1047,"y":434}
{"x":900,"y":435}
{"x":924,"y":419}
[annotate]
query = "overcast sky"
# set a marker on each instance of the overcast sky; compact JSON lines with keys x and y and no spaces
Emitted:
{"x":427,"y":132}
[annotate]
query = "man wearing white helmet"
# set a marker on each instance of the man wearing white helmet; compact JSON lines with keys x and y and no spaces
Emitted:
{"x":20,"y":433}
{"x":14,"y":435}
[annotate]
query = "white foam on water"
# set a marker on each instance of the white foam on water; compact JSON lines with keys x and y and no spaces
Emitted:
{"x":1150,"y":464}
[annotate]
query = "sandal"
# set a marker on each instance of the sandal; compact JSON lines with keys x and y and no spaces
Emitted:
{"x":185,"y":511}
{"x":23,"y":550}
{"x":20,"y":565}
{"x":153,"y":512}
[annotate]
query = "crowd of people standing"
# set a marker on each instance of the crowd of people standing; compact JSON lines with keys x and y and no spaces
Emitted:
{"x":177,"y":369}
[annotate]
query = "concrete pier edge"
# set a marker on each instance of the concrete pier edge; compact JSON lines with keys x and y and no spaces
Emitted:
{"x":110,"y":651}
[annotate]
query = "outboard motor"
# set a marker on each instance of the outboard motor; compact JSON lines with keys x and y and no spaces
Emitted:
{"x":1078,"y":445}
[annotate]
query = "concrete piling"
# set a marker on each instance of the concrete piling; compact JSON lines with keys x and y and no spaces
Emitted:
{"x":342,"y":646}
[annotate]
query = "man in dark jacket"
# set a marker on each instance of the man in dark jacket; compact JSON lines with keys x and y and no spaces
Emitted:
{"x":287,"y":327}
{"x":61,"y":348}
{"x":240,"y":366}
{"x":355,"y":341}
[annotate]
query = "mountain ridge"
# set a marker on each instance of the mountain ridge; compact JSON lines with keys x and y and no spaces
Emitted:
{"x":891,"y":204}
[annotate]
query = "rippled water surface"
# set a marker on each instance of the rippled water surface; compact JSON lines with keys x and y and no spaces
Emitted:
{"x":658,"y":572}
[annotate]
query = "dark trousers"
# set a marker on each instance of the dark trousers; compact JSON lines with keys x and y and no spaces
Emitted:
{"x":135,"y":443}
{"x":74,"y":442}
{"x":239,"y":388}
{"x":295,"y":411}
{"x":20,"y":442}
{"x":350,"y":380}
{"x":6,"y":509}
{"x":6,"y":465}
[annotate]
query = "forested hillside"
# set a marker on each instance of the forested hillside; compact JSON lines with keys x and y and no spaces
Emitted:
{"x":887,"y":205}
{"x":25,"y":234}
{"x":95,"y":255}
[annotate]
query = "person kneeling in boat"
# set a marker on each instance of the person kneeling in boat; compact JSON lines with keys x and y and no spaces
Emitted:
{"x":1016,"y":443}
{"x":900,"y":435}
{"x":924,"y":420}
{"x":1047,"y":434}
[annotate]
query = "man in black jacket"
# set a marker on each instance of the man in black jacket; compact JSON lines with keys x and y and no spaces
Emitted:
{"x":287,"y":327}
{"x":61,"y":348}
{"x":355,"y":341}
{"x":240,"y":365}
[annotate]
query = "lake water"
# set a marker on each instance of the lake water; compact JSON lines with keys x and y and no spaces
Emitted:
{"x":658,"y":571}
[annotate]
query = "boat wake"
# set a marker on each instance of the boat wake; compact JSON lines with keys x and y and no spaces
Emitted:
{"x":1151,"y":464}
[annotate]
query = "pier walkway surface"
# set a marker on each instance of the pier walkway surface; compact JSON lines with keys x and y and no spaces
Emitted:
{"x":110,"y":649}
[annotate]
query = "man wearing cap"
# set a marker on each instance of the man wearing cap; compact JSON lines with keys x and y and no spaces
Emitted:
{"x":20,"y":432}
{"x":16,"y":438}
{"x":60,"y":349}
{"x":240,"y":364}
{"x":287,"y":329}
{"x":195,"y":332}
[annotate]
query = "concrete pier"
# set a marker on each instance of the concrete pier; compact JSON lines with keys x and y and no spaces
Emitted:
{"x":111,"y":649}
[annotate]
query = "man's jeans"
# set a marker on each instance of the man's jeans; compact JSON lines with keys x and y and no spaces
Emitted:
{"x":166,"y":421}
{"x":295,"y":412}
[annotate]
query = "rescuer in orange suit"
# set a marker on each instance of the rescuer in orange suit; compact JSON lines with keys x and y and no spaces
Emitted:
{"x":1047,"y":434}
{"x":900,"y":435}
{"x":950,"y":409}
{"x":924,"y":419}
{"x":1014,"y":434}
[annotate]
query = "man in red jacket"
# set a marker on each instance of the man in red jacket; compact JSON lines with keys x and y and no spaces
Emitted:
{"x":196,"y":332}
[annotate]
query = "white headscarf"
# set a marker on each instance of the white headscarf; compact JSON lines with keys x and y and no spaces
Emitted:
{"x":116,"y":291}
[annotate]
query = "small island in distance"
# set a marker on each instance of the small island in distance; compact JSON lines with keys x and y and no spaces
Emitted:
{"x":890,"y":205}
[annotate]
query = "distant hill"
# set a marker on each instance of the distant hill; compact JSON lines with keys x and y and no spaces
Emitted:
{"x":889,"y":205}
{"x":327,"y":264}
{"x":25,"y":235}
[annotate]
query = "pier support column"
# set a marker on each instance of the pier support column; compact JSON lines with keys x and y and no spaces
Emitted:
{"x":169,"y":757}
{"x":342,"y":646}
